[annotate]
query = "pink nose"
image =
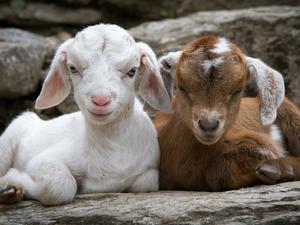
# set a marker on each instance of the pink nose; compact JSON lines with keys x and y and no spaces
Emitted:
{"x":101,"y":101}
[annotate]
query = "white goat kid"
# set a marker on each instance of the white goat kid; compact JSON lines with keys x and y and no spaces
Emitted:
{"x":108,"y":146}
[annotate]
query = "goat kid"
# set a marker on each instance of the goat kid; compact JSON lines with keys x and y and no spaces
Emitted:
{"x":216,"y":140}
{"x":110,"y":145}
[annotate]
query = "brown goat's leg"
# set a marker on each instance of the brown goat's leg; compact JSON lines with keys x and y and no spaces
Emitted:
{"x":288,"y":119}
{"x":279,"y":170}
{"x":218,"y":175}
{"x":237,"y":167}
{"x":285,"y":168}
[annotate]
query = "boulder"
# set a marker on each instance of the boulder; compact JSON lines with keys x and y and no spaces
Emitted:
{"x":265,"y":205}
{"x":45,"y":13}
{"x":48,"y":16}
{"x":22,"y":57}
{"x":269,"y":33}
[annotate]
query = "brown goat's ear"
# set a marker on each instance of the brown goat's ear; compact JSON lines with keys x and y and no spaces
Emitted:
{"x":151,"y":86}
{"x":167,"y":68}
{"x":56,"y":86}
{"x":271,"y":89}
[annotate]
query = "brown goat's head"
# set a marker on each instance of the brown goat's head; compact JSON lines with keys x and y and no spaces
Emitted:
{"x":211,"y":74}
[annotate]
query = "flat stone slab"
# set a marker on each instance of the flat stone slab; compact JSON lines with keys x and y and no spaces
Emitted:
{"x":274,"y":204}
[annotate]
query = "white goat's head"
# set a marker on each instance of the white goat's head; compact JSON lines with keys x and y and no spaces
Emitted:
{"x":102,"y":61}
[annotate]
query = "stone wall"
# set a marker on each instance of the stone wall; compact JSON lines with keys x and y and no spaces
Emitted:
{"x":48,"y":16}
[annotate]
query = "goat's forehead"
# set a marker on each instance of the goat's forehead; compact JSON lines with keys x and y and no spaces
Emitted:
{"x":104,"y":40}
{"x":208,"y":55}
{"x":102,"y":36}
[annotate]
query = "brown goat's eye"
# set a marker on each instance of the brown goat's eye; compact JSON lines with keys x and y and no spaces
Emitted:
{"x":237,"y":92}
{"x":73,"y":69}
{"x":182,"y":90}
{"x":132,"y":72}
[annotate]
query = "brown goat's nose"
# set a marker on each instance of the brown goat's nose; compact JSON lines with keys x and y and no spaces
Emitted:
{"x":208,"y":126}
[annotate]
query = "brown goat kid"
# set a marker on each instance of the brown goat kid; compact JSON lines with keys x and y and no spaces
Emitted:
{"x":217,"y":140}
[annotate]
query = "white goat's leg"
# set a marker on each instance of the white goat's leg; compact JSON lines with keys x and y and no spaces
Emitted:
{"x":48,"y":181}
{"x":10,"y":138}
{"x":13,"y":184}
{"x":6,"y":155}
{"x":146,"y":182}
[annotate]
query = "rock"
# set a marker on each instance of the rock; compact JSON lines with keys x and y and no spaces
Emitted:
{"x":269,"y":33}
{"x":265,"y":205}
{"x":43,"y":13}
{"x":126,"y":13}
{"x":21,"y":60}
{"x":53,"y":42}
{"x":68,"y":105}
{"x":159,"y":9}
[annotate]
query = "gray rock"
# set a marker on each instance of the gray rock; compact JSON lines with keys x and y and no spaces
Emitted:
{"x":269,"y":33}
{"x":159,"y":9}
{"x":21,"y":60}
{"x":277,"y":204}
{"x":43,"y":13}
{"x":126,"y":13}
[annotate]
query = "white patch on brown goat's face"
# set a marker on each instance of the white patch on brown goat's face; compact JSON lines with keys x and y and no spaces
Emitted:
{"x":221,"y":47}
{"x":214,"y":63}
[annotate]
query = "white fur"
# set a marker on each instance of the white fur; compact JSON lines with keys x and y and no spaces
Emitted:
{"x":208,"y":64}
{"x":277,"y":136}
{"x":51,"y":159}
{"x":221,"y":47}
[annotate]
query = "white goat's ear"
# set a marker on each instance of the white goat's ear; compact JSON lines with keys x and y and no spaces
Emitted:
{"x":56,"y":86}
{"x":151,"y":86}
{"x":271,"y":89}
{"x":167,"y":68}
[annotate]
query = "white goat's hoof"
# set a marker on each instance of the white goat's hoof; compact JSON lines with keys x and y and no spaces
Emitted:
{"x":11,"y":194}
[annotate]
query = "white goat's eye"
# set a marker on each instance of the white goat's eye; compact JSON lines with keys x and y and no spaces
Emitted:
{"x":132,"y":72}
{"x":73,"y":69}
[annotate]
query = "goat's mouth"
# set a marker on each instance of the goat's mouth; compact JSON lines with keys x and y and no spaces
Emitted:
{"x":100,"y":111}
{"x":207,"y":139}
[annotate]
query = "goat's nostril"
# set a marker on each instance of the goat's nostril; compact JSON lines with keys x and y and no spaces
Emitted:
{"x":208,"y":126}
{"x":101,"y":101}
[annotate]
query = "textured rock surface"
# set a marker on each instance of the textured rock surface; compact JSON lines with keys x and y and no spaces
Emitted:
{"x":41,"y":13}
{"x":129,"y":12}
{"x":278,"y":204}
{"x":269,"y":33}
{"x":21,"y":60}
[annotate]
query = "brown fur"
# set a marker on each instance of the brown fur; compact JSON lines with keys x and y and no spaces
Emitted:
{"x":239,"y":157}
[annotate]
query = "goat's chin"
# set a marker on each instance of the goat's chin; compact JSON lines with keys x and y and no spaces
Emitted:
{"x":100,"y":120}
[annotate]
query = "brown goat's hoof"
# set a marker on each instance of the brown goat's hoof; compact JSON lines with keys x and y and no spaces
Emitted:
{"x":268,"y":173}
{"x":11,"y":194}
{"x":275,"y":170}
